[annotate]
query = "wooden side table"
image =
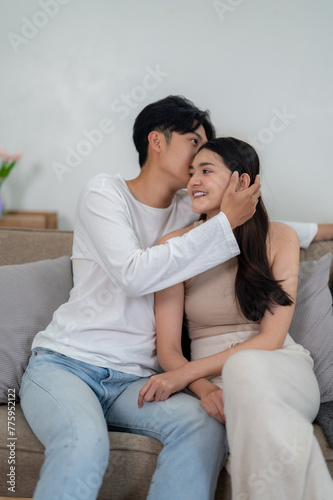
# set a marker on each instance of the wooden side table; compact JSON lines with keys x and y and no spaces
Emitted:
{"x":31,"y":220}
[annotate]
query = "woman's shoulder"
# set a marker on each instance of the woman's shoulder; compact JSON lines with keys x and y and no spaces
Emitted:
{"x":282,"y":242}
{"x":173,"y":234}
{"x":279,"y":232}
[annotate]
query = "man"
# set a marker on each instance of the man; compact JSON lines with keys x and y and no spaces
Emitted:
{"x":88,"y":366}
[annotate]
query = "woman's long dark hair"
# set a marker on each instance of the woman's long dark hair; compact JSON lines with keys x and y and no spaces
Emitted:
{"x":256,"y":288}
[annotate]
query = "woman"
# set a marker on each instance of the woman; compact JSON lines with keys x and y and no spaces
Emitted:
{"x":238,"y":315}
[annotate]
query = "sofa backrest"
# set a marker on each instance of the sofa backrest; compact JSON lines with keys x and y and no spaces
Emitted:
{"x":18,"y":246}
{"x":317,"y":250}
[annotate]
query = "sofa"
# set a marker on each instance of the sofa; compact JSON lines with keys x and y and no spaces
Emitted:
{"x":35,"y":277}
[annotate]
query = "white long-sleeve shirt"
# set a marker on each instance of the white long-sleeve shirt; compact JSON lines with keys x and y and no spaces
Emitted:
{"x":109,"y":318}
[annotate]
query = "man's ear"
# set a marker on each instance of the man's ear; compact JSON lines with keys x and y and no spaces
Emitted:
{"x":244,"y":182}
{"x":155,"y":140}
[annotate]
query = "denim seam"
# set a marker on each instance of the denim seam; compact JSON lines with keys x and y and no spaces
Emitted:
{"x":138,"y":429}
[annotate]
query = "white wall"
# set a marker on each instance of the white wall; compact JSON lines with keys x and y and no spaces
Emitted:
{"x":66,"y":65}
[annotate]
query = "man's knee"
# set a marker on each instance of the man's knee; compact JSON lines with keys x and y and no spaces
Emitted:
{"x":87,"y":438}
{"x":192,"y":419}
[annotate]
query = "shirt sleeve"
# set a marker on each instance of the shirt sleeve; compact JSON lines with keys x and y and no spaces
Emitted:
{"x":107,"y":233}
{"x":306,"y":231}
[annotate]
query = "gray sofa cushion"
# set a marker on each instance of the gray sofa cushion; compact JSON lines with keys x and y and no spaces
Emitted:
{"x":29,"y":294}
{"x":312,"y":324}
{"x":325,"y":420}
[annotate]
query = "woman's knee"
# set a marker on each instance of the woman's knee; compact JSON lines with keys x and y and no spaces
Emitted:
{"x":250,"y":375}
{"x":245,"y":366}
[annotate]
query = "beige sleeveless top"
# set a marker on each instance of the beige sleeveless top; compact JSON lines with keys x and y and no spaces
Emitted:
{"x":213,"y":316}
{"x":211,"y":306}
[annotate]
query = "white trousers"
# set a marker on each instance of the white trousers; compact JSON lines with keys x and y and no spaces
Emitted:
{"x":271,"y":399}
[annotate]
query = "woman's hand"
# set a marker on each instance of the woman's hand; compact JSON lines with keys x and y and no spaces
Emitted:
{"x":213,"y":403}
{"x":160,"y":387}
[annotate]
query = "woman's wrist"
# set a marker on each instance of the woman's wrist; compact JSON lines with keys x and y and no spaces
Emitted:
{"x":202,"y":387}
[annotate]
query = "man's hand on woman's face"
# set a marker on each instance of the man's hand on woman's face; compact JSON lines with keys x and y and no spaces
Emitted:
{"x":239,"y":206}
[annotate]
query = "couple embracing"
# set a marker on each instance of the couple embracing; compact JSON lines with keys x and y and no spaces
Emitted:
{"x":248,"y":387}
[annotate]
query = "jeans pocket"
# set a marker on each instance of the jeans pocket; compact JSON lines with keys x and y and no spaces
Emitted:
{"x":40,"y":357}
{"x":42,"y":350}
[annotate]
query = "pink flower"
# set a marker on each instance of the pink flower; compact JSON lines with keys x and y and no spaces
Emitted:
{"x":17,"y":156}
{"x":7,"y":163}
{"x":6,"y":157}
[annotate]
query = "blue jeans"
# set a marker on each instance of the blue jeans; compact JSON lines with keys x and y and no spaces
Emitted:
{"x":70,"y":405}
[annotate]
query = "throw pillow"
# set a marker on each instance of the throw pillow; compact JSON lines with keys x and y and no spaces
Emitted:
{"x":325,"y":420}
{"x":29,"y":295}
{"x":312,"y":324}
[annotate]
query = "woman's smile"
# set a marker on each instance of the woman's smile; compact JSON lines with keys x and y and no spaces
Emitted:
{"x":198,"y":194}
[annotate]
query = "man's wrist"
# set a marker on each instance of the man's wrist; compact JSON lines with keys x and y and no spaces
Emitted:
{"x":229,"y":219}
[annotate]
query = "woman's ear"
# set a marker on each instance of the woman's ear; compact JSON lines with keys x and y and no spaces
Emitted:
{"x":244,"y":182}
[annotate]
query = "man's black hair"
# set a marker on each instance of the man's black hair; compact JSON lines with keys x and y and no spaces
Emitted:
{"x":171,"y":114}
